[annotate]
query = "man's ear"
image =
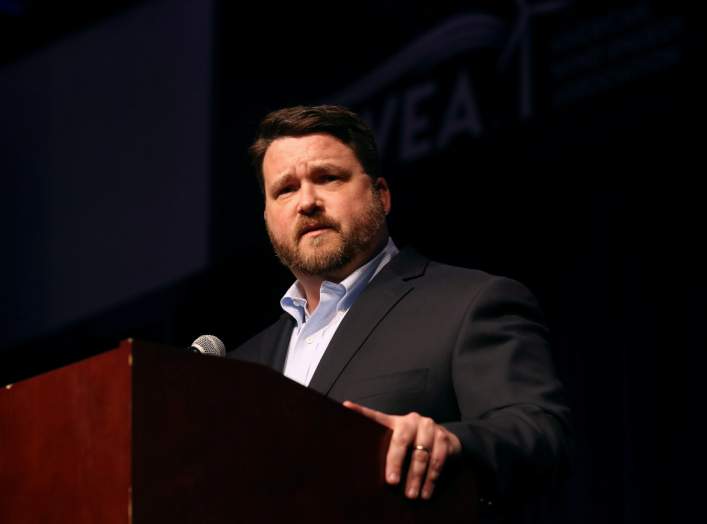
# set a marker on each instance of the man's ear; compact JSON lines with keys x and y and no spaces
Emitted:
{"x":383,"y":192}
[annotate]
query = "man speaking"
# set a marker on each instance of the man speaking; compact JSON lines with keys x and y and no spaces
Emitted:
{"x":454,"y":361}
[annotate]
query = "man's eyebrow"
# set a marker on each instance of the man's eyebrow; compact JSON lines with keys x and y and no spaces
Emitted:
{"x":329,"y":168}
{"x":323,"y":167}
{"x":282,"y":180}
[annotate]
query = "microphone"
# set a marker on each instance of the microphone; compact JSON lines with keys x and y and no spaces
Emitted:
{"x":208,"y":345}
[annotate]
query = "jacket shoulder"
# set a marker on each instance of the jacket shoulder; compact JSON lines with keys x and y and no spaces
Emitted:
{"x":458,"y":285}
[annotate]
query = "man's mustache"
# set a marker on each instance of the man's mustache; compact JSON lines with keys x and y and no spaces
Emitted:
{"x":307,"y":225}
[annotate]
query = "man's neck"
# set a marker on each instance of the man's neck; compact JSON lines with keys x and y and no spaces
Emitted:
{"x":310,"y":285}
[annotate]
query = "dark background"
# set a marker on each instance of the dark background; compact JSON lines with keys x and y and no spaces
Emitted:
{"x":591,"y":197}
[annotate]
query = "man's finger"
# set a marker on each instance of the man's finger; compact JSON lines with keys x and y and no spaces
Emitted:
{"x":420,"y":456}
{"x":438,"y":456}
{"x":403,"y":436}
{"x":381,"y":418}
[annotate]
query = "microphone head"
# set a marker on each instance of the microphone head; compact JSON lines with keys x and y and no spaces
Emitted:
{"x":209,"y":345}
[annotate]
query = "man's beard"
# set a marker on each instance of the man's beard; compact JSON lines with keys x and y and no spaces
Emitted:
{"x":332,"y":249}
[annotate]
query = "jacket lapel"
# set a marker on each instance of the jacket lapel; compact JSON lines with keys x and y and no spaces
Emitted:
{"x":374,"y":303}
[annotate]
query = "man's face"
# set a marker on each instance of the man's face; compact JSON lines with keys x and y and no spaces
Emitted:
{"x":323,"y":214}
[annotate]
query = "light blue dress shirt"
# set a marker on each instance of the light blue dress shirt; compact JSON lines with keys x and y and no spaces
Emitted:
{"x":313,"y":332}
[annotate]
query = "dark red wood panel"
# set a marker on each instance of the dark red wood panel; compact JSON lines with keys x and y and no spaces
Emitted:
{"x":65,"y":444}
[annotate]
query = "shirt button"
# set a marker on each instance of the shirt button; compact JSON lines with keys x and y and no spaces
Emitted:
{"x":309,"y":340}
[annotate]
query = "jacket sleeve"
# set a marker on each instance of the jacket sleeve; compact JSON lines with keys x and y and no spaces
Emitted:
{"x":514,"y":423}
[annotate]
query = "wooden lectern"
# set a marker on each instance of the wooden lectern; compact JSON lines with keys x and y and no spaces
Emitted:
{"x":150,"y":434}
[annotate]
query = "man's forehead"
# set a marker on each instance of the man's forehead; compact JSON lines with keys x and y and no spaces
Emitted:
{"x":287,"y":155}
{"x":312,"y":167}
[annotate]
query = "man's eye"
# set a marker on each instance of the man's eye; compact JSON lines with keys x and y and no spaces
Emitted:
{"x":283,"y":191}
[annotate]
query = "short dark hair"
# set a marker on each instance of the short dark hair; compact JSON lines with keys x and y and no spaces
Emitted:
{"x":336,"y":121}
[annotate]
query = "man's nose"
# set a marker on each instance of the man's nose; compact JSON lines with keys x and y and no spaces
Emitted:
{"x":309,"y":201}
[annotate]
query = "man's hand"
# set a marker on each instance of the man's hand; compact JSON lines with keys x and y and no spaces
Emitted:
{"x":431,"y":445}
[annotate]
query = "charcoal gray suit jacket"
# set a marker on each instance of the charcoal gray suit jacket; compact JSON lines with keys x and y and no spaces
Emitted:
{"x":461,"y":346}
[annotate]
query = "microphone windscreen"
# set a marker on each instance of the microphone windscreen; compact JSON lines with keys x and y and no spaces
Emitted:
{"x":209,"y":345}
